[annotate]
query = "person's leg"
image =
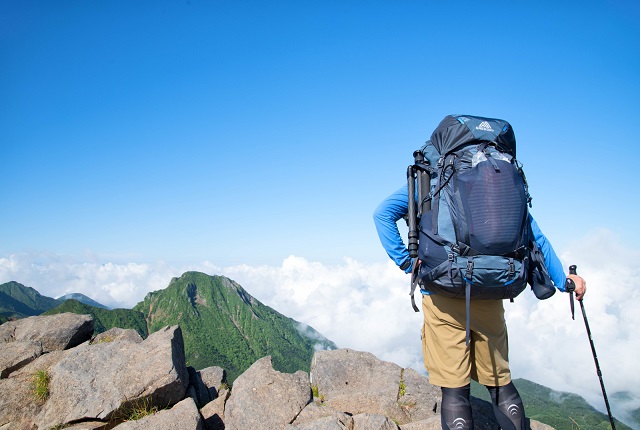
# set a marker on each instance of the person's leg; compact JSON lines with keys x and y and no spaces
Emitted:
{"x":507,"y":407}
{"x":446,"y":356}
{"x":455,"y":411}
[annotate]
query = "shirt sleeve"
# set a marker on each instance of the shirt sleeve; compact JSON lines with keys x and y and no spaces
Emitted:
{"x":385,"y":217}
{"x":551,"y":260}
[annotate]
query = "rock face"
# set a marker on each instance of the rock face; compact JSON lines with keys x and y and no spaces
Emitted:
{"x":119,"y":381}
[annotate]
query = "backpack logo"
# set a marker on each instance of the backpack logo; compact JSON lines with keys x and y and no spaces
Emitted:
{"x":484,"y":126}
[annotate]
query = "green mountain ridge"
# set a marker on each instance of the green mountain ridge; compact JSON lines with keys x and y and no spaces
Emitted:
{"x":223,"y":325}
{"x":19,"y":301}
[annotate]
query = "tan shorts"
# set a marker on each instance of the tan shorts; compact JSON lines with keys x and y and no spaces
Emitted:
{"x":448,"y":360}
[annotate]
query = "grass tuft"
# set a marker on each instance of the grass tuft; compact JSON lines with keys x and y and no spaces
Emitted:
{"x":40,"y":385}
{"x":139,"y":409}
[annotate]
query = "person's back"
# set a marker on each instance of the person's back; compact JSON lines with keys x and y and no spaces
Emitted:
{"x":467,"y":339}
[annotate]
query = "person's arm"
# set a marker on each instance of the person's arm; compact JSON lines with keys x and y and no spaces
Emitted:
{"x":553,"y":263}
{"x":385,"y":217}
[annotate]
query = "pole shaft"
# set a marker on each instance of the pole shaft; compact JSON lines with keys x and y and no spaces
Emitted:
{"x":595,"y":359}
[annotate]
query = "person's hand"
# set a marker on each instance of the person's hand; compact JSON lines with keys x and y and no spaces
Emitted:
{"x":581,"y":285}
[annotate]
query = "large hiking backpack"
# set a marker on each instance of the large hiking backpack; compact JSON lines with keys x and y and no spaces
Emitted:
{"x":470,"y":228}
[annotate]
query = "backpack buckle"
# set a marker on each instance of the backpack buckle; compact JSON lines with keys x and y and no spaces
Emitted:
{"x":470,"y":269}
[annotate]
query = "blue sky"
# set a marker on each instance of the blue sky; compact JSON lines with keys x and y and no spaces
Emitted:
{"x":246,"y":132}
{"x":138,"y":139}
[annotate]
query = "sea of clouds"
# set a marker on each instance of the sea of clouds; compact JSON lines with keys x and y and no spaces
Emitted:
{"x":366,"y":307}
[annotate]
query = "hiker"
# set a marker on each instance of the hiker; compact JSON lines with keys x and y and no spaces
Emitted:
{"x":464,"y":339}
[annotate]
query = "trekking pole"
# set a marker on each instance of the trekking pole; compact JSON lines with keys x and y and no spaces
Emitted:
{"x":419,"y":171}
{"x":412,"y":216}
{"x":571,"y":286}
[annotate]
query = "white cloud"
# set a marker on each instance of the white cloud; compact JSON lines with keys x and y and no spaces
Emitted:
{"x":548,"y":347}
{"x":366,"y":307}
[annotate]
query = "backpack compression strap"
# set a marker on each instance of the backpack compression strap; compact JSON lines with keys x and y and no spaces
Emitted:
{"x":414,"y":283}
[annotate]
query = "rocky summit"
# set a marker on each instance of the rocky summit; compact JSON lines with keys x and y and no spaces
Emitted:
{"x":54,"y":374}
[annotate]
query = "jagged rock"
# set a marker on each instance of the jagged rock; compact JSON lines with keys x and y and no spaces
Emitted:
{"x":205,"y":384}
{"x":432,"y":423}
{"x":101,"y":381}
{"x":419,"y":399}
{"x":19,"y":408}
{"x":319,"y":416}
{"x":215,"y":379}
{"x":324,"y":423}
{"x":94,"y":385}
{"x":183,"y":416}
{"x":358,"y":382}
{"x":86,"y":425}
{"x":15,"y":355}
{"x":213,"y":412}
{"x":116,"y":333}
{"x":54,"y":332}
{"x":197,"y":390}
{"x":263,"y":398}
{"x":373,"y":422}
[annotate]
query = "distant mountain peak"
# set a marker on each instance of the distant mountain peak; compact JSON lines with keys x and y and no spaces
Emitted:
{"x":82,"y":299}
{"x":19,"y":301}
{"x":225,"y":326}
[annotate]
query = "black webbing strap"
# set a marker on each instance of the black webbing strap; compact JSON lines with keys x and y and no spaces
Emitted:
{"x":467,"y":296}
{"x":414,"y":284}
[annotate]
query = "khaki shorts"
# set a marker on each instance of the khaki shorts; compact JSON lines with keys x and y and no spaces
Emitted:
{"x":448,"y":360}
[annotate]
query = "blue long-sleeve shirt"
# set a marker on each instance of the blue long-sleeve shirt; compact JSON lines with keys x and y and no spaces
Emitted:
{"x":396,"y":206}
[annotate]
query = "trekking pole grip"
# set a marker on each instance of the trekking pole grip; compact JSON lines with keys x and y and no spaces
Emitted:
{"x":570,"y":286}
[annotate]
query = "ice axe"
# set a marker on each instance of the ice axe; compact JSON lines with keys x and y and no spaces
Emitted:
{"x":570,"y":287}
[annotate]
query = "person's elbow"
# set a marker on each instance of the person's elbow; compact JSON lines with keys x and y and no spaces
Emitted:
{"x":380,"y":215}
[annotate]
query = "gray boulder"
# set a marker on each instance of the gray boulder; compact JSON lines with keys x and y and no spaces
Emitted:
{"x":117,"y":333}
{"x":373,"y":422}
{"x":18,"y":405}
{"x":205,"y":384}
{"x":263,"y":398}
{"x":215,"y":379}
{"x":359,"y":383}
{"x":102,"y":381}
{"x":213,"y":412}
{"x":417,"y":398}
{"x":324,"y":423}
{"x":54,"y":332}
{"x":320,"y":416}
{"x":15,"y":355}
{"x":432,"y":423}
{"x":98,"y":384}
{"x":183,"y":415}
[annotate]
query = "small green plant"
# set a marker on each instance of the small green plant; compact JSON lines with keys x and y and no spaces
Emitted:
{"x":223,"y":386}
{"x":402,"y":388}
{"x":139,"y":409}
{"x":40,"y":385}
{"x":105,"y":339}
{"x":317,"y":395}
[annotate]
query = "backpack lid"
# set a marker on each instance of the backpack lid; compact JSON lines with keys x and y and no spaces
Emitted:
{"x":455,"y":131}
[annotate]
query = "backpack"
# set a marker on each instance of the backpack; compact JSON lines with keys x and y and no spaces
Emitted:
{"x":469,"y":224}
